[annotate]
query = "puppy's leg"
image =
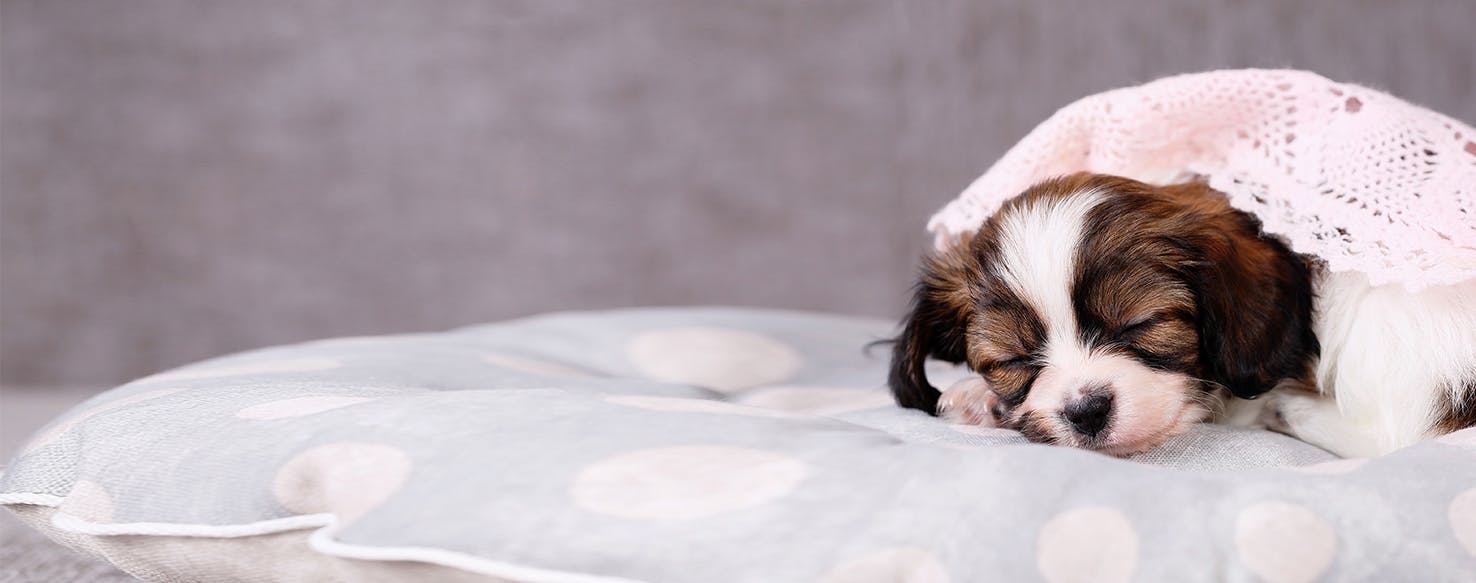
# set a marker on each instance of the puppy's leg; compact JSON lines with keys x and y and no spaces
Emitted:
{"x":1315,"y":419}
{"x":970,"y":402}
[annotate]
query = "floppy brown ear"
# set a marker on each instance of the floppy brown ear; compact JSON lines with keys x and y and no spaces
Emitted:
{"x":1254,"y":298}
{"x":941,"y":304}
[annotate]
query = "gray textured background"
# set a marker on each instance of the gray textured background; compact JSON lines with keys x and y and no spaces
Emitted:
{"x":182,"y":179}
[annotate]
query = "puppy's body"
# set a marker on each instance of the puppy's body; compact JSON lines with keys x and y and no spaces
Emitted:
{"x":1110,"y":314}
{"x":1396,"y":367}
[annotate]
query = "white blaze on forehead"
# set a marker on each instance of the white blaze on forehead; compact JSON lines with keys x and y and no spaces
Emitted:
{"x":1038,"y":246}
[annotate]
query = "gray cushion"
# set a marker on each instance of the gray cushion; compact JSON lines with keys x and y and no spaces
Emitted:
{"x":689,"y":445}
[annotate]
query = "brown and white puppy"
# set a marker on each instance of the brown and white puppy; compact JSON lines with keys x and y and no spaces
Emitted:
{"x":1109,"y":314}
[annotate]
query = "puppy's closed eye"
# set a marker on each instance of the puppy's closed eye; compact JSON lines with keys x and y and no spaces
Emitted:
{"x":1013,"y":363}
{"x":1140,"y":325}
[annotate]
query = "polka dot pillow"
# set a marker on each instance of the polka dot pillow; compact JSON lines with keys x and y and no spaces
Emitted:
{"x":686,"y":445}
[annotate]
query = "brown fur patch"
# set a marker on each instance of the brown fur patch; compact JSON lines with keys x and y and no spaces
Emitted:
{"x":1455,"y":415}
{"x":1183,"y":260}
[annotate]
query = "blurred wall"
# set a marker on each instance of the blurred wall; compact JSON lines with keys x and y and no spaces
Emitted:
{"x":186,"y":178}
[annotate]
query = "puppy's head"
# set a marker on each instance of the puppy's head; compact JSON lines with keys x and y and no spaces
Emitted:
{"x":1106,"y":313}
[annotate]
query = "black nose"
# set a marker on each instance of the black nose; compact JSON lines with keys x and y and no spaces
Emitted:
{"x":1089,"y":414}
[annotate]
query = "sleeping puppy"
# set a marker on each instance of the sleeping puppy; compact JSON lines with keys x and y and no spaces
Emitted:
{"x":1108,"y":314}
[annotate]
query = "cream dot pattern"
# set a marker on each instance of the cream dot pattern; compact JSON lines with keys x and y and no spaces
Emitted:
{"x":346,"y":479}
{"x":716,"y":358}
{"x":1093,"y":543}
{"x":1283,"y":542}
{"x":89,"y":501}
{"x":685,"y":482}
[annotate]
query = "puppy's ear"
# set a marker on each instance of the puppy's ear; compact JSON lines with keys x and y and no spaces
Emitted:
{"x":941,"y":305}
{"x":1254,"y":298}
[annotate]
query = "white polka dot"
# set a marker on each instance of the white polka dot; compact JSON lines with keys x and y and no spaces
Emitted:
{"x":1093,"y":543}
{"x":677,"y":483}
{"x":88,"y":501}
{"x":1332,"y":467}
{"x":248,"y":368}
{"x":893,"y":565}
{"x":1463,"y":438}
{"x":820,"y":400}
{"x":1463,"y":519}
{"x":715,"y":358}
{"x":298,"y":407}
{"x":55,"y":431}
{"x":534,"y":366}
{"x":344,"y":478}
{"x":679,"y":404}
{"x":1284,"y":543}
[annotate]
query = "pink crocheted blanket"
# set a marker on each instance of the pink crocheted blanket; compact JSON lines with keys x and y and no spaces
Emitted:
{"x":1362,"y":179}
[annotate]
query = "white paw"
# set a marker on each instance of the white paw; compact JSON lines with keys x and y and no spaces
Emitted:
{"x":1283,"y":411}
{"x":969,"y":402}
{"x":1316,"y":419}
